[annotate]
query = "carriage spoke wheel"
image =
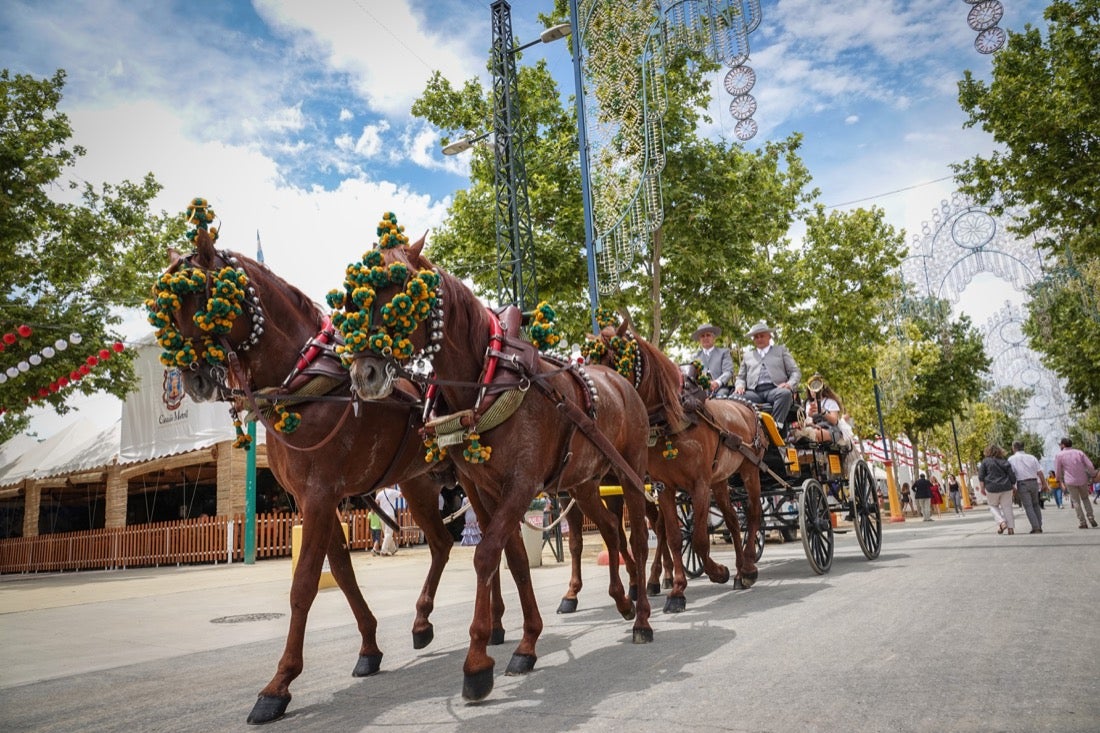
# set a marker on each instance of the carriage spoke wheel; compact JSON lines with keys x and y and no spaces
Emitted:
{"x":693,"y":564}
{"x":816,"y":526}
{"x":866,"y":512}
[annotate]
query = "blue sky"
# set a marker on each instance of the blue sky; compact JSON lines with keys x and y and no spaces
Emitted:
{"x":292,"y":116}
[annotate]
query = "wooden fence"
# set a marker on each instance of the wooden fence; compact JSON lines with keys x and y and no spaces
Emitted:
{"x":183,"y":542}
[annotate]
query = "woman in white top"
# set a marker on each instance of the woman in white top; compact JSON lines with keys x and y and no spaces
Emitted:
{"x":823,"y":409}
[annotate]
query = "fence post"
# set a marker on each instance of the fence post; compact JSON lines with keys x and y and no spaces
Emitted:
{"x":229,"y":527}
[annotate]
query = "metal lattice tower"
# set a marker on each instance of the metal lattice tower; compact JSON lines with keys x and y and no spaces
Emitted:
{"x":515,"y":242}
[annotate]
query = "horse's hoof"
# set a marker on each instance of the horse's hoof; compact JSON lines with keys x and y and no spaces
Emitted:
{"x":675,"y":604}
{"x":737,"y":584}
{"x":268,"y":708}
{"x":421,"y":639}
{"x":367,"y":665}
{"x":478,"y":685}
{"x":520,"y":664}
{"x":643,"y":636}
{"x":653,"y":589}
{"x":723,"y":576}
{"x":632,"y":594}
{"x":629,"y":614}
{"x":666,"y":584}
{"x":496,"y":637}
{"x":567,"y":605}
{"x":749,"y":579}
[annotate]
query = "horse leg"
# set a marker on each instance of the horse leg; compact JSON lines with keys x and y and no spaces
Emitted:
{"x":422,"y":496}
{"x":666,"y":504}
{"x":339,"y":560}
{"x":496,"y":603}
{"x":747,"y":572}
{"x":317,"y":527}
{"x":635,"y":499}
{"x":588,"y":497}
{"x":700,"y":534}
{"x":574,"y":519}
{"x":524,"y":656}
{"x":653,"y":584}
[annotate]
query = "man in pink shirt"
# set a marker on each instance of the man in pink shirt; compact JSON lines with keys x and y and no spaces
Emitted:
{"x":1075,"y":471}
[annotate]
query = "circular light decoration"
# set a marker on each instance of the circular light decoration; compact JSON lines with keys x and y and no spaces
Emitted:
{"x":973,"y":229}
{"x":990,"y":40}
{"x":743,"y":106}
{"x":985,"y":14}
{"x":745,"y":129}
{"x":739,"y":80}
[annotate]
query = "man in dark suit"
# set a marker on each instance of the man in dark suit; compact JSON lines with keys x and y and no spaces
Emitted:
{"x":768,"y":373}
{"x":717,"y":361}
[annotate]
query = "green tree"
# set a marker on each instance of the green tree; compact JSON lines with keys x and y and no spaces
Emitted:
{"x":68,"y":264}
{"x":846,"y":280}
{"x":1043,"y":110}
{"x":932,"y":367}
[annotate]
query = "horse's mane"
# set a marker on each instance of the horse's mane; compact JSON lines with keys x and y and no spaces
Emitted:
{"x":666,"y":376}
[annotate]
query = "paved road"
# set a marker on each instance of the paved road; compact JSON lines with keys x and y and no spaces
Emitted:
{"x":953,"y":628}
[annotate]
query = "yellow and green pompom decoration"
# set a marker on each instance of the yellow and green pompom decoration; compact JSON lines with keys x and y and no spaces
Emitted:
{"x":593,"y":351}
{"x":288,"y":421}
{"x":475,"y":452}
{"x":243,"y":439}
{"x":606,"y":317}
{"x":434,"y":451}
{"x":669,"y":452}
{"x":544,"y":330}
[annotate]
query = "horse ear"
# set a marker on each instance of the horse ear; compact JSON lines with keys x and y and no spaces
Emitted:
{"x":417,"y":247}
{"x":204,"y":248}
{"x":174,"y":258}
{"x":627,"y":323}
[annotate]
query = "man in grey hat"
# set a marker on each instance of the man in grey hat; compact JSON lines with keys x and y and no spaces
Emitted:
{"x":716,"y":360}
{"x":768,"y":373}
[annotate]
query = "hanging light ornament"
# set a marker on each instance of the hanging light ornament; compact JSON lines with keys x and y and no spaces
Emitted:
{"x":983,"y":18}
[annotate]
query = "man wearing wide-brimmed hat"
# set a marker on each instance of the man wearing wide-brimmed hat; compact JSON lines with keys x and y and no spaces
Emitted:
{"x":717,"y":361}
{"x":768,"y":373}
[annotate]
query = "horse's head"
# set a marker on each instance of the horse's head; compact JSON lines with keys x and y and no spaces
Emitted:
{"x":389,"y":311}
{"x":203,"y":308}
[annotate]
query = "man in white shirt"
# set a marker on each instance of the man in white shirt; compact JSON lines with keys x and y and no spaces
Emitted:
{"x":1029,"y":482}
{"x":389,"y":499}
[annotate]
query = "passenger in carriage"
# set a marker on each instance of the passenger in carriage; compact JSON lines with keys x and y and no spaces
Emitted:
{"x":823,"y":410}
{"x":768,"y":373}
{"x":716,"y":360}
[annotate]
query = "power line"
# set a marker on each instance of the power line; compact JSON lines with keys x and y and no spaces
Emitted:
{"x":889,"y":193}
{"x":394,"y":36}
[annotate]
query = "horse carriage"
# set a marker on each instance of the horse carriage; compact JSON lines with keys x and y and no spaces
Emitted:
{"x":802,"y":486}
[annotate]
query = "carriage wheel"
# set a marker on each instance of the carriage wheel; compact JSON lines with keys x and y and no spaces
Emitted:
{"x":868,"y":516}
{"x":815,"y":523}
{"x":693,"y":564}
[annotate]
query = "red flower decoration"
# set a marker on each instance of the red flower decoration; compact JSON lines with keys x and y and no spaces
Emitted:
{"x":24,"y":331}
{"x":84,"y":369}
{"x":118,"y":347}
{"x":104,"y":354}
{"x":92,"y":361}
{"x":9,"y":338}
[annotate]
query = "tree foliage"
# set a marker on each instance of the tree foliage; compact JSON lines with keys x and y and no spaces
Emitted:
{"x":1043,"y":110}
{"x":71,"y":254}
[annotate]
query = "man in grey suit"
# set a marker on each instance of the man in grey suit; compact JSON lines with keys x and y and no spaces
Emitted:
{"x":716,"y":360}
{"x":768,"y":373}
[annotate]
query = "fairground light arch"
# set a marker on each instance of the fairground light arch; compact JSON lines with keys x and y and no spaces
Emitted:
{"x":962,"y":240}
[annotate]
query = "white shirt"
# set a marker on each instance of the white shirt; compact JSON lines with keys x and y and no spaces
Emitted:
{"x":1025,"y":466}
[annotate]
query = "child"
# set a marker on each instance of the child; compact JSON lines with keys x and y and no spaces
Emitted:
{"x":375,"y":533}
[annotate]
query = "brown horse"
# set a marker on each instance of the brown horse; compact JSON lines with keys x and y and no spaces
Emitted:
{"x":274,"y":349}
{"x":696,"y":451}
{"x":569,"y":428}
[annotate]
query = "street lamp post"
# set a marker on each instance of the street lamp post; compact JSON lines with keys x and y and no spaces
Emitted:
{"x":586,"y":193}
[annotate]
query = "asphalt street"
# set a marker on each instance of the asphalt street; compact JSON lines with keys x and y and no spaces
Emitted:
{"x":952,"y":628}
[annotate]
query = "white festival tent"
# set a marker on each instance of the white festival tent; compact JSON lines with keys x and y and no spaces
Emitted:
{"x":158,"y":420}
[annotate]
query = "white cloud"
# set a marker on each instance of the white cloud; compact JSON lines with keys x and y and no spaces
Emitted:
{"x":851,"y":119}
{"x":345,"y":114}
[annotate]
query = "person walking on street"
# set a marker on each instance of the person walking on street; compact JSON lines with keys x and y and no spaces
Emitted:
{"x":1075,"y":471}
{"x":1029,"y":482}
{"x":1055,"y":488}
{"x":906,"y":500}
{"x":922,"y":492}
{"x":954,"y":492}
{"x":997,"y":480}
{"x":388,"y":500}
{"x":937,"y":496}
